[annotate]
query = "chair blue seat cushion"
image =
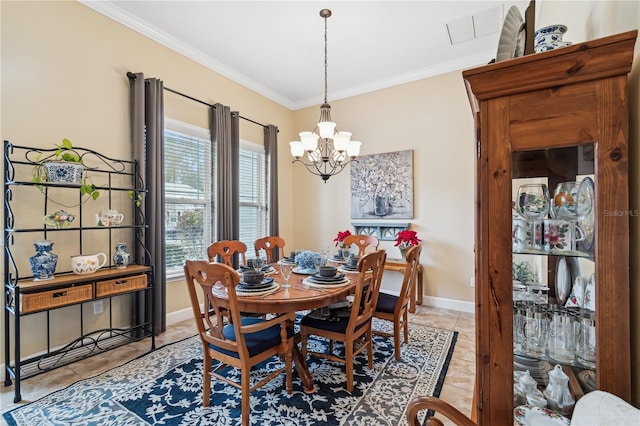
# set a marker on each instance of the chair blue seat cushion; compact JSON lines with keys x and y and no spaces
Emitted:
{"x":256,"y":342}
{"x":333,"y":323}
{"x":386,"y":303}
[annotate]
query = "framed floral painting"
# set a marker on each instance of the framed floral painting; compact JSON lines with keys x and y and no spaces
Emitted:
{"x":382,"y":186}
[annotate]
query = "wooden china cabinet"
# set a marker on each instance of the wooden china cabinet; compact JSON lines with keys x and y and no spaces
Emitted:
{"x":552,"y":117}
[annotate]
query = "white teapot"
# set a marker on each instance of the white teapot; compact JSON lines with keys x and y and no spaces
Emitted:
{"x":557,"y":391}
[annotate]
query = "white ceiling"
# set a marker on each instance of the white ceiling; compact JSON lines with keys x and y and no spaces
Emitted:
{"x":277,"y":47}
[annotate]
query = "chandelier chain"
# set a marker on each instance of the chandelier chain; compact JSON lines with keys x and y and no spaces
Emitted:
{"x":325,"y":59}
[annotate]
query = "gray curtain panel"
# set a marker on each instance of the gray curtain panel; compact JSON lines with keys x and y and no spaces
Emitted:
{"x":271,"y":151}
{"x":147,"y":128}
{"x":225,"y":134}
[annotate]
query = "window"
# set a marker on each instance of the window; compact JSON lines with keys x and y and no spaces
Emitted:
{"x":190,"y":188}
{"x":253,"y":195}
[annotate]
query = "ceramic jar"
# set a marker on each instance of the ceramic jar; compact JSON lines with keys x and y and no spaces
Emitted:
{"x":43,"y":264}
{"x":121,"y":256}
{"x":557,"y":391}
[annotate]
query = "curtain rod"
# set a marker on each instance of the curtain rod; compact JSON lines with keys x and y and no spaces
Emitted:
{"x":133,"y":76}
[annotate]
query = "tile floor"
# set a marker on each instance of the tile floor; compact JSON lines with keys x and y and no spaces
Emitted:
{"x":457,"y":389}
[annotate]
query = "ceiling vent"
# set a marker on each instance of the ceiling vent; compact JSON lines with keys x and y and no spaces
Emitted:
{"x":481,"y":24}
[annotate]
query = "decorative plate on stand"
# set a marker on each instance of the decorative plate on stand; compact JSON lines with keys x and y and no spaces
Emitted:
{"x":512,"y":37}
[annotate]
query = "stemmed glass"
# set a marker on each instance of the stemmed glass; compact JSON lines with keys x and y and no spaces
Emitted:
{"x":319,"y":260}
{"x":345,"y":253}
{"x":257,"y":263}
{"x":285,"y":269}
{"x":533,"y":201}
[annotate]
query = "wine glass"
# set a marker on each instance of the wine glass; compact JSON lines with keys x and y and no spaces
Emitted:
{"x":257,"y":263}
{"x":285,"y":269}
{"x":533,"y":201}
{"x":319,"y":260}
{"x":564,"y":201}
{"x":345,"y":253}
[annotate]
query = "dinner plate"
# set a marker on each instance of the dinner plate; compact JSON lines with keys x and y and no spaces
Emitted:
{"x":314,"y":280}
{"x":526,"y":415}
{"x":263,"y":284}
{"x":563,"y":280}
{"x":588,"y":379}
{"x":586,"y":214}
{"x":512,"y":37}
{"x":304,"y":271}
{"x":346,"y":269}
{"x":337,"y":277}
{"x":309,"y":282}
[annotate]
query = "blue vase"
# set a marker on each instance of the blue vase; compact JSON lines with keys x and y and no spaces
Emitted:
{"x":43,"y":264}
{"x":121,"y":256}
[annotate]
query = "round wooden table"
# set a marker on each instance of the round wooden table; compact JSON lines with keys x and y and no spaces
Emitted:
{"x":294,"y":299}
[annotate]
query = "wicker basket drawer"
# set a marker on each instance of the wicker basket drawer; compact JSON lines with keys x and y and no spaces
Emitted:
{"x":121,"y":285}
{"x":30,"y":302}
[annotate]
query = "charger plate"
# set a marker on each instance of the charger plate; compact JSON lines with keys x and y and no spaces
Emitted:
{"x":347,"y":270}
{"x":271,"y":289}
{"x":314,"y":284}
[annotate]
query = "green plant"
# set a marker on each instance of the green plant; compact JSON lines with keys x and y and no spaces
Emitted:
{"x":522,"y":272}
{"x":65,"y":152}
{"x":136,"y":196}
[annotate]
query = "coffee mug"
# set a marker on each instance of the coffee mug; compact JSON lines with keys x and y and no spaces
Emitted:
{"x":109,"y":218}
{"x":521,"y":234}
{"x":561,"y":235}
{"x":87,"y":264}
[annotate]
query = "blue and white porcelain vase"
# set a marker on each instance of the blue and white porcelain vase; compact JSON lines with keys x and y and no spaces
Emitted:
{"x":121,"y":256}
{"x":43,"y":264}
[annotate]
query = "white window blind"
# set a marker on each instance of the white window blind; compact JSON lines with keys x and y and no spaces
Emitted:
{"x":253,"y":195}
{"x":189,"y":189}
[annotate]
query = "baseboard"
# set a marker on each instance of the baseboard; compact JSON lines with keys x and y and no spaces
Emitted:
{"x":456,"y":305}
{"x":177,"y":316}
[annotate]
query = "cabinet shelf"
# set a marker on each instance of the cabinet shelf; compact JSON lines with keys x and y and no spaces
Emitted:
{"x":121,"y":185}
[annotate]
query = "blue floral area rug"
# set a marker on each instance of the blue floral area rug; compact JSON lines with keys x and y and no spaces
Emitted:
{"x":164,"y":387}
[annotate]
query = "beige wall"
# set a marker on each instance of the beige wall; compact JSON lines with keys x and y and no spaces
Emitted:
{"x":433,"y":118}
{"x":63,"y":75}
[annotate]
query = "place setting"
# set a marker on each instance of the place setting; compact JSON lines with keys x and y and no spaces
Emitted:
{"x":327,"y":276}
{"x":254,"y":283}
{"x":350,"y":266}
{"x":257,"y":264}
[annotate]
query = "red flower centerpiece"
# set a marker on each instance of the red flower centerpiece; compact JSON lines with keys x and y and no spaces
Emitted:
{"x":406,"y":239}
{"x":339,"y":240}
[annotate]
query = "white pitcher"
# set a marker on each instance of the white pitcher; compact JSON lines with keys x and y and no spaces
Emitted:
{"x":87,"y":264}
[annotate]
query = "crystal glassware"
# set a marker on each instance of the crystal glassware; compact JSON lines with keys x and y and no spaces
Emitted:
{"x":257,"y":263}
{"x":285,"y":270}
{"x":533,"y":201}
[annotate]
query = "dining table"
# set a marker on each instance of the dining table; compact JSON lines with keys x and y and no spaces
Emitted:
{"x":298,"y":297}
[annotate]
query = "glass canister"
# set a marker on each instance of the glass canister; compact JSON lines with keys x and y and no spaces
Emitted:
{"x":121,"y":256}
{"x":586,"y":340}
{"x":519,"y":315}
{"x":562,"y":335}
{"x":535,"y":330}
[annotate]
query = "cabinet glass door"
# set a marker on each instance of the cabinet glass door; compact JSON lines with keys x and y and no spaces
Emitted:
{"x":554,"y":276}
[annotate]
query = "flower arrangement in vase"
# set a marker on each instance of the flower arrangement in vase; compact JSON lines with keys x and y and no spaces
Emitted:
{"x":405,"y":240}
{"x":339,"y":240}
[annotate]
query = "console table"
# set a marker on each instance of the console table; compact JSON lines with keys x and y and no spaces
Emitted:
{"x":399,"y":265}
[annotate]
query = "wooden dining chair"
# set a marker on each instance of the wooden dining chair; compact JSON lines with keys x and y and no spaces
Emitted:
{"x":225,"y":250}
{"x":241,"y":343}
{"x":420,"y":403}
{"x":363,"y":242}
{"x":396,"y":308}
{"x":273,"y":248}
{"x":355,"y":329}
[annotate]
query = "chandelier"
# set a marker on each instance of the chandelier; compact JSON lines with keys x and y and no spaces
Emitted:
{"x":325,"y":151}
